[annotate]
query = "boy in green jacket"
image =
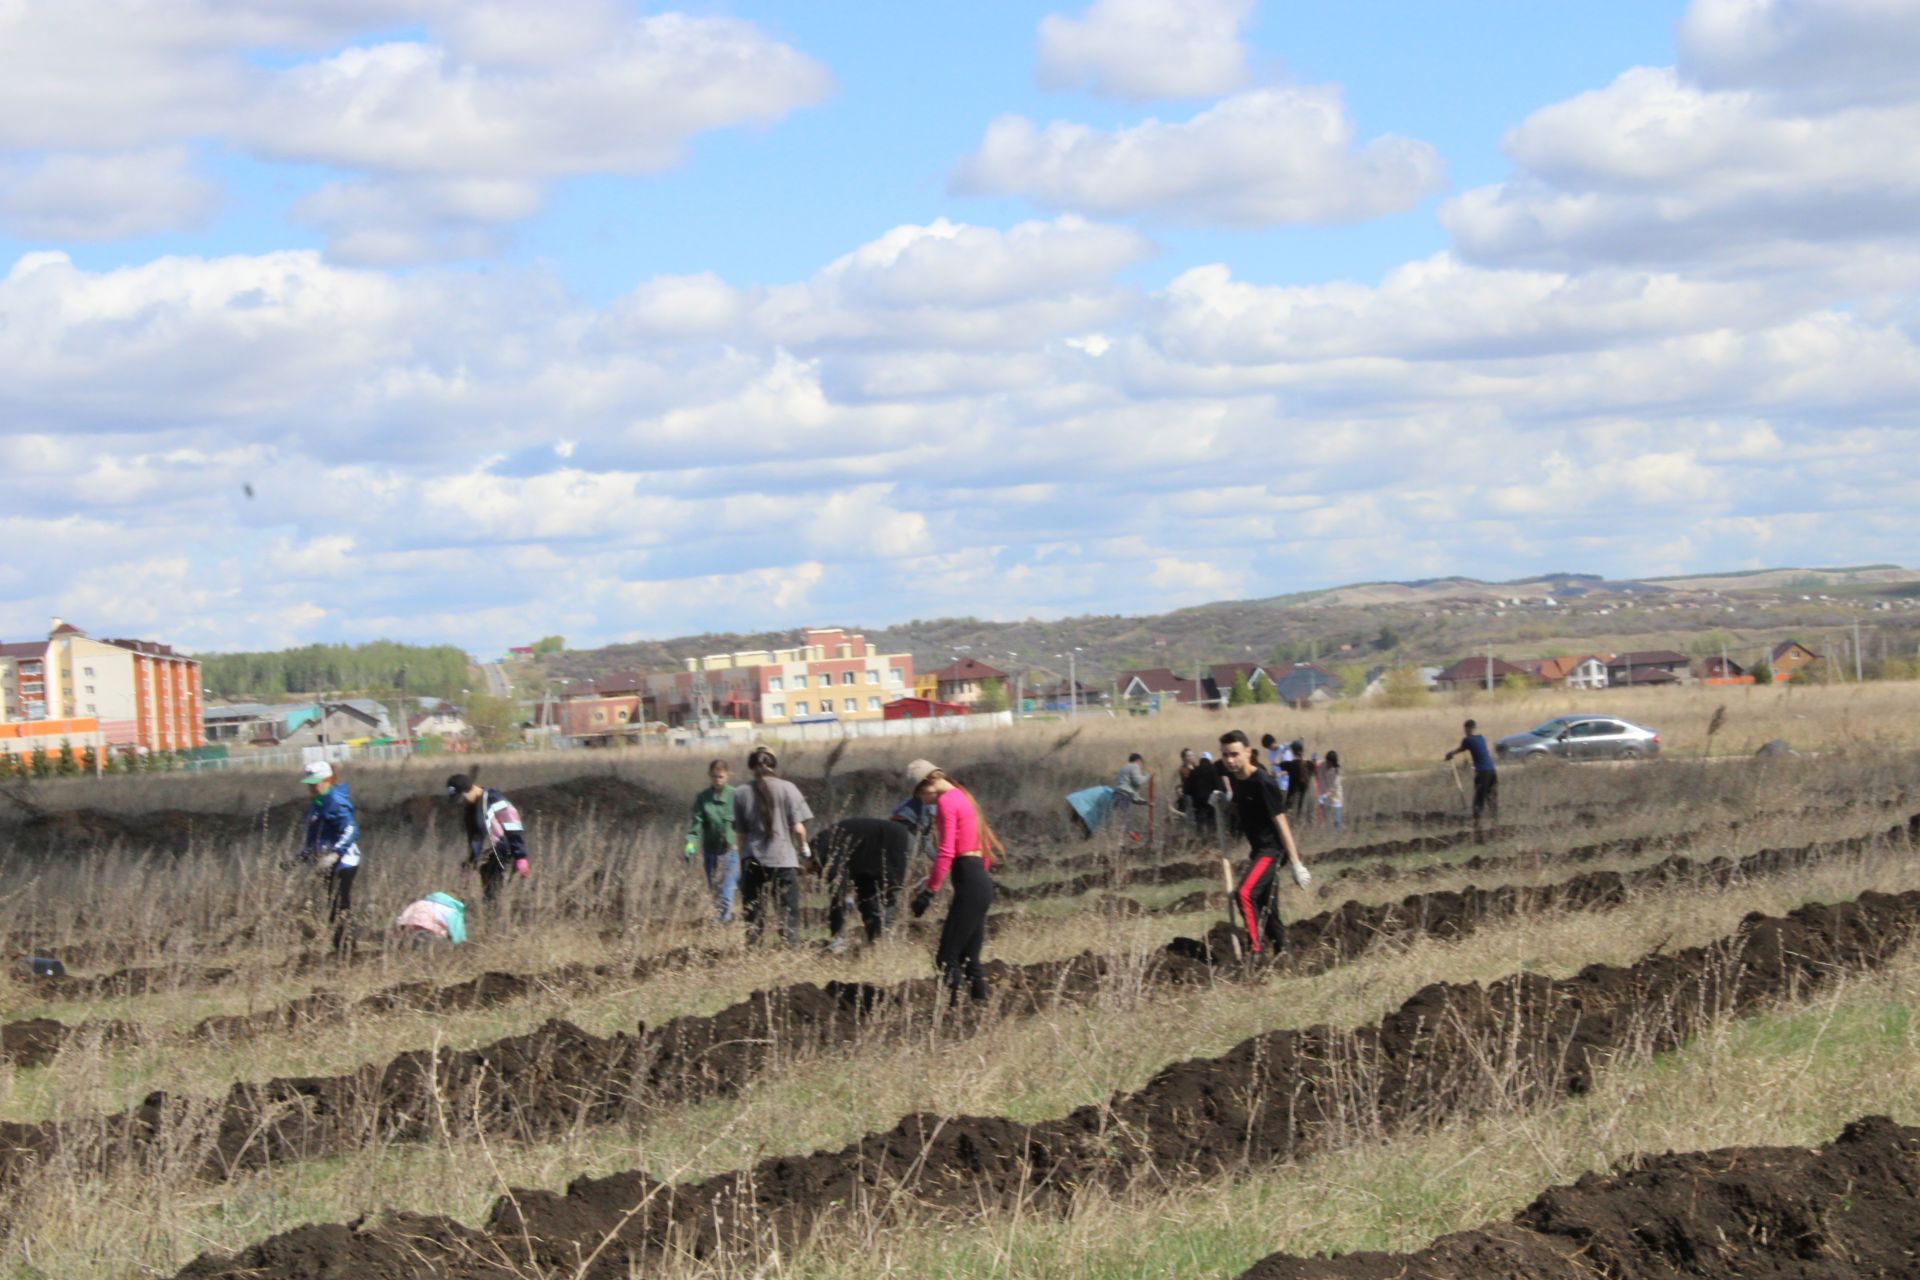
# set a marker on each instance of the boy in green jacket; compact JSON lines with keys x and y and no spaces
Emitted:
{"x":711,"y":834}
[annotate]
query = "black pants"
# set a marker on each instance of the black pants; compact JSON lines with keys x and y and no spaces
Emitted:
{"x":1259,"y":900}
{"x":493,"y":874}
{"x":1297,"y":789}
{"x":756,"y":881}
{"x":966,"y":927}
{"x":340,"y":906}
{"x":1486,"y":794}
{"x":876,"y":896}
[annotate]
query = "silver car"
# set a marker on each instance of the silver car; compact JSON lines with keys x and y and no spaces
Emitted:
{"x":1580,"y":738}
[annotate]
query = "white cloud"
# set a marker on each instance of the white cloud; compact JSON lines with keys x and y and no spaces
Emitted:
{"x":1819,"y":53}
{"x":449,"y":135}
{"x":111,"y":196}
{"x":1147,"y":48}
{"x":1789,"y":133}
{"x":397,"y":221}
{"x":1262,"y":158}
{"x":629,"y":107}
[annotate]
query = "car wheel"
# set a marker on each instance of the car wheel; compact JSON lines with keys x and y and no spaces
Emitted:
{"x":1629,"y":753}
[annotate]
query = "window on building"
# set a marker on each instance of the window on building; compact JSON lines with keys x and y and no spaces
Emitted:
{"x":88,"y":670}
{"x":89,"y":687}
{"x":621,"y":716}
{"x":896,"y":676}
{"x":90,"y":709}
{"x":852,"y":704}
{"x":799,"y":708}
{"x":873,"y":704}
{"x":599,"y":717}
{"x":776,"y":683}
{"x":846,"y":677}
{"x":778,"y":709}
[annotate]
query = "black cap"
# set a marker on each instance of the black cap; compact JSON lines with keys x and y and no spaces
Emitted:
{"x":458,"y":785}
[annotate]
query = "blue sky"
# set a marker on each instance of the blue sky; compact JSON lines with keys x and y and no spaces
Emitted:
{"x":621,"y":320}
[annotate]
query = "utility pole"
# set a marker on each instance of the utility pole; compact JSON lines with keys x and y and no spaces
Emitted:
{"x":1073,"y":689}
{"x":1857,"y":676}
{"x":1489,"y":668}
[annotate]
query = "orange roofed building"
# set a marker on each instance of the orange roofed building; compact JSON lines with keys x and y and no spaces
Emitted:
{"x":139,"y":693}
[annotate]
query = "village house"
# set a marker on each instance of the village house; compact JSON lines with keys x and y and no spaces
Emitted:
{"x":1478,"y":673}
{"x":965,"y":682}
{"x":1790,"y":658}
{"x":1650,"y":666}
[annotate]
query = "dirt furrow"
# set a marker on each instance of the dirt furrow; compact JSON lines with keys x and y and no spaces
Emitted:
{"x":1846,"y":1210}
{"x":1450,"y":1050}
{"x":559,"y":1076}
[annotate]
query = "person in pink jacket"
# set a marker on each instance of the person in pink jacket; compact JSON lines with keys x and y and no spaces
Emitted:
{"x":964,"y":855}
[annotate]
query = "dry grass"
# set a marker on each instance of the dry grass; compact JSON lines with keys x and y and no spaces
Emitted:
{"x":1753,"y":1084}
{"x":1030,"y":1068}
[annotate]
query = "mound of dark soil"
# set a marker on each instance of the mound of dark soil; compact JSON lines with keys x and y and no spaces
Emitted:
{"x":1848,"y":1209}
{"x":1277,"y":1096}
{"x":700,"y":1056}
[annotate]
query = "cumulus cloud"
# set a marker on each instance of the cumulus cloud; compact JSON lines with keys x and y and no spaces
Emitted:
{"x":398,"y":221}
{"x":1788,"y":132}
{"x":1147,"y":48}
{"x":1821,"y":54}
{"x":105,"y":197}
{"x":450,"y":135}
{"x":1263,"y":158}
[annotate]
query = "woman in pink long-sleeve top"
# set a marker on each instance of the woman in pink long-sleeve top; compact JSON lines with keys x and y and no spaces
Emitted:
{"x":965,"y":850}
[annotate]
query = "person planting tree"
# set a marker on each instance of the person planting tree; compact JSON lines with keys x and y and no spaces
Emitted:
{"x":331,"y":843}
{"x":1262,"y":810}
{"x":496,"y":838}
{"x":710,"y":833}
{"x":1486,"y":779}
{"x":965,"y":855}
{"x":771,"y":816}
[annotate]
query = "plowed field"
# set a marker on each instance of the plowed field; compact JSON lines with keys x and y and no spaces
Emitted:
{"x":1468,"y":1060}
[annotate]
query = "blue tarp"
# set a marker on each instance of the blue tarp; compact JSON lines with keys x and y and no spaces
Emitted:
{"x":1093,"y":807}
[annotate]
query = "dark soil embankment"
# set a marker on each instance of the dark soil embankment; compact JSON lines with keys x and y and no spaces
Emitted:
{"x":1450,"y":1050}
{"x":548,"y":807}
{"x":1844,"y":1211}
{"x":560,"y":1076}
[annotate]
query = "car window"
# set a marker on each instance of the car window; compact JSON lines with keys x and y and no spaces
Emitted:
{"x":1589,"y":729}
{"x":1551,"y":729}
{"x":1613,"y":728}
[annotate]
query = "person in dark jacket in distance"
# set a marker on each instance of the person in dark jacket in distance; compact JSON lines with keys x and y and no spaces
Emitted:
{"x":331,"y":843}
{"x":868,"y":856}
{"x":1486,"y":779}
{"x":496,"y":837}
{"x":1200,"y":784}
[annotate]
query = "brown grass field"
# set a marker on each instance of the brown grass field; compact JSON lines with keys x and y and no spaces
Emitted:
{"x":181,"y":879}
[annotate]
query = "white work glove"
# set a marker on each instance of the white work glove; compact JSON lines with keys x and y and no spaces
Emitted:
{"x":1301,"y":876}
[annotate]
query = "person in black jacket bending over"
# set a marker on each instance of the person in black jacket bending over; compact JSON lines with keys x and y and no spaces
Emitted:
{"x":870,"y":855}
{"x":496,"y":838}
{"x":1263,"y":820}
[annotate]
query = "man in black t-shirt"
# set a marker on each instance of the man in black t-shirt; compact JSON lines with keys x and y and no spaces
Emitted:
{"x":1262,"y":809}
{"x":871,"y":853}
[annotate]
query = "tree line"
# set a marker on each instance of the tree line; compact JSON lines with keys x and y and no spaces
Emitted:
{"x":377,"y":667}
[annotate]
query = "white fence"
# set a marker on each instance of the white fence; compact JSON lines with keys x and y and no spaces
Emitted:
{"x":293,"y":758}
{"x":927,"y":727}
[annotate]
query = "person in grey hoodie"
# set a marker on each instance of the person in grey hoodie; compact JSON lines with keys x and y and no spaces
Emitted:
{"x":771,"y":818}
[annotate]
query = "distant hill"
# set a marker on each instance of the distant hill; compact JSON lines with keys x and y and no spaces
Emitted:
{"x":1433,"y":620}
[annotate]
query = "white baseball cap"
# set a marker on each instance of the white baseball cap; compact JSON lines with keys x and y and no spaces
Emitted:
{"x":318,"y":771}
